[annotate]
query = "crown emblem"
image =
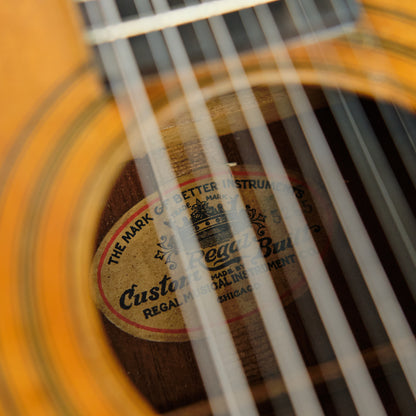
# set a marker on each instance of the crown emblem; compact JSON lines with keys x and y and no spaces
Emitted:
{"x":208,"y":222}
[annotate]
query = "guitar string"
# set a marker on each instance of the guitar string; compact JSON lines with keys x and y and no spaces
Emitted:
{"x":230,"y":373}
{"x":400,"y":225}
{"x":359,"y":382}
{"x":312,"y":178}
{"x":397,"y":122}
{"x":341,"y":249}
{"x":394,"y":319}
{"x":234,"y":120}
{"x":340,"y":245}
{"x":206,"y":129}
{"x":266,"y":292}
{"x":397,"y":325}
{"x":410,"y":125}
{"x":222,"y":38}
{"x":374,"y":274}
{"x":400,"y":134}
{"x":205,"y":39}
{"x":401,"y":129}
{"x":384,"y":191}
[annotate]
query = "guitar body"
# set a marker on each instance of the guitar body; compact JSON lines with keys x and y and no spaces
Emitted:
{"x":67,"y":177}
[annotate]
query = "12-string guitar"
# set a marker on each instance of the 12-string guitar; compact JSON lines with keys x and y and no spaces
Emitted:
{"x":208,"y":207}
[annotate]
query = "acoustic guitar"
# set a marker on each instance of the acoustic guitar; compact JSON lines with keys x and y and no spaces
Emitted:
{"x":208,"y":207}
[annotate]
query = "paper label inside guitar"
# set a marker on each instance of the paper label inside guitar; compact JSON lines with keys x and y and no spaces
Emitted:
{"x":142,"y":280}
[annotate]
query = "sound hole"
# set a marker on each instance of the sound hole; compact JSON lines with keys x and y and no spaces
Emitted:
{"x":167,"y":374}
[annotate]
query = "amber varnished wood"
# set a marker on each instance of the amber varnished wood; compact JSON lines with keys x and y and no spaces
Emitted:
{"x":61,"y":154}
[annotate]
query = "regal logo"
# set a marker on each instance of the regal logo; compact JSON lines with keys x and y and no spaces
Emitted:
{"x":216,"y":230}
{"x":212,"y":225}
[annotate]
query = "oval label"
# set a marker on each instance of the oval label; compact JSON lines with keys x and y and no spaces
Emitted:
{"x":140,"y":280}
